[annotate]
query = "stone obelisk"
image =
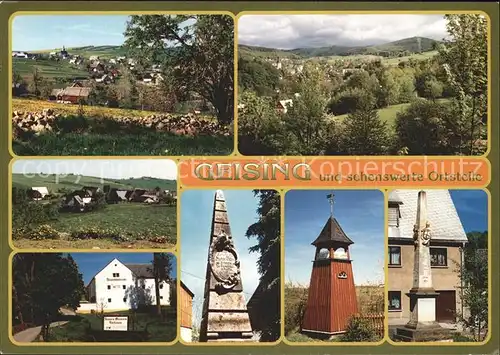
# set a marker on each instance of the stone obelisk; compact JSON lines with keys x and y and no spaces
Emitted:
{"x":422,"y":325}
{"x":225,"y":316}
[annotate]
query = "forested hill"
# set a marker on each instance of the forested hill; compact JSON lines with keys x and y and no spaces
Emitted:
{"x":408,"y":45}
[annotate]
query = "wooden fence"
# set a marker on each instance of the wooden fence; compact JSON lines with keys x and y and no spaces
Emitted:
{"x":375,"y":321}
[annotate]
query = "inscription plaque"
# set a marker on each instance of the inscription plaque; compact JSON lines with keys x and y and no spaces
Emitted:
{"x":224,"y":262}
{"x":224,"y":265}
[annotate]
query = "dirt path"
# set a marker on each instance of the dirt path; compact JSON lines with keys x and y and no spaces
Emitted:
{"x":29,"y":335}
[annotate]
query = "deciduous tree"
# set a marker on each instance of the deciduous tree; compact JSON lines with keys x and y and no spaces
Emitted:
{"x":465,"y":56}
{"x":162,"y":266}
{"x":199,"y":48}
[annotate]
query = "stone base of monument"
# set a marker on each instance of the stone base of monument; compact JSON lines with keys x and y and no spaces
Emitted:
{"x":422,"y":326}
{"x":228,"y":326}
{"x":422,"y":333}
{"x":230,"y":337}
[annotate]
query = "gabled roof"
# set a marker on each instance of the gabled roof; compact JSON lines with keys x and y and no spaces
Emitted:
{"x":332,"y":232}
{"x":141,"y":270}
{"x":76,"y":91}
{"x":394,"y":197}
{"x":442,"y":215}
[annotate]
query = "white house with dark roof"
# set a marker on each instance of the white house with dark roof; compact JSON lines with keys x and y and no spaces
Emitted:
{"x":448,"y":239}
{"x":120,"y":286}
{"x":41,"y":192}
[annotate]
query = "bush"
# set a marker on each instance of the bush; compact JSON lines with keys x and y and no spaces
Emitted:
{"x":422,"y":127}
{"x":358,"y":330}
{"x":351,"y":100}
{"x":42,"y":232}
{"x":27,"y":213}
{"x":460,"y":338}
{"x":295,"y":306}
{"x":96,"y":233}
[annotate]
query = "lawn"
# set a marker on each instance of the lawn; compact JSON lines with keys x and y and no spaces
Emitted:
{"x":388,"y":61}
{"x":388,"y":114}
{"x":138,"y":225}
{"x":48,"y":69}
{"x":416,"y":56}
{"x":88,"y":327}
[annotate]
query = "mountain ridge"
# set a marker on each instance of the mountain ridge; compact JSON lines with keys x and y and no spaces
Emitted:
{"x":410,"y":44}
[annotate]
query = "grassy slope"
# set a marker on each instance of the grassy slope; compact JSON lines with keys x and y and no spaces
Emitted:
{"x":388,"y":114}
{"x":87,"y":51}
{"x":146,"y":143}
{"x":56,"y":182}
{"x":132,"y":219}
{"x":136,"y":221}
{"x":28,"y":105}
{"x":48,"y":69}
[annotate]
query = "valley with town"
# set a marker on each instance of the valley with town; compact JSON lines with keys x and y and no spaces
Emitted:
{"x":85,"y":212}
{"x":99,"y":99}
{"x":398,"y":97}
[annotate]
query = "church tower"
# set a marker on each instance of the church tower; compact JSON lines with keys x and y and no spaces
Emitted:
{"x":332,"y":294}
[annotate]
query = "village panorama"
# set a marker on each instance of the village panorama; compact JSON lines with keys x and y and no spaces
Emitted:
{"x":137,"y":89}
{"x":98,"y":206}
{"x":362,"y":84}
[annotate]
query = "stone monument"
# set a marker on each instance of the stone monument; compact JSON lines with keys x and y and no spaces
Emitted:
{"x":422,"y":326}
{"x":225,"y":316}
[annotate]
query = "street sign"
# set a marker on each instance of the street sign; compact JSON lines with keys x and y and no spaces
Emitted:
{"x":115,"y":323}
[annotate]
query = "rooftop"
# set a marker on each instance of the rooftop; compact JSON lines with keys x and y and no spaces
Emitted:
{"x":332,"y":232}
{"x":442,"y":215}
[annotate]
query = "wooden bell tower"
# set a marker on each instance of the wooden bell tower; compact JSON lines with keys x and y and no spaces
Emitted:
{"x":332,"y":295}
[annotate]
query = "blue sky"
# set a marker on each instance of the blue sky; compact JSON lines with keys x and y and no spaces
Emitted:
{"x":105,"y":168}
{"x":196,"y":220}
{"x":90,"y":264}
{"x":42,"y":32}
{"x":361,"y":215}
{"x":472,"y":208}
{"x":39,"y":32}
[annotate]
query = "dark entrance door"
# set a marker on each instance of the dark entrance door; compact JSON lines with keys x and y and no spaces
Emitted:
{"x":446,"y":307}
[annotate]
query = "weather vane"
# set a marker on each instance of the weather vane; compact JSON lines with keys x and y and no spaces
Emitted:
{"x":330,"y":199}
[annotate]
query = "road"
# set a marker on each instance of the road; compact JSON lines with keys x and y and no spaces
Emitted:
{"x":30,"y":334}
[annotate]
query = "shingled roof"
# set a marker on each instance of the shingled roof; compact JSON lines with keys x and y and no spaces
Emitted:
{"x":332,"y":232}
{"x":141,"y":270}
{"x":441,"y":213}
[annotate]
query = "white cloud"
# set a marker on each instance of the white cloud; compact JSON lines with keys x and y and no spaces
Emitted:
{"x":295,"y":31}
